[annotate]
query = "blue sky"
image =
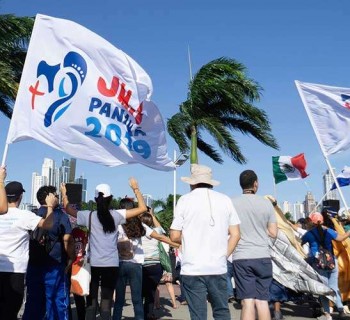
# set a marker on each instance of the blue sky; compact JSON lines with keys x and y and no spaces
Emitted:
{"x":278,"y":42}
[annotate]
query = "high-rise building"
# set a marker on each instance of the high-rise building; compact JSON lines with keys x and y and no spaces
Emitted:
{"x":327,"y":184}
{"x":72,"y":166}
{"x":65,"y":171}
{"x":309,"y":203}
{"x":48,"y":171}
{"x":298,"y":211}
{"x":37,"y":182}
{"x":286,"y":207}
{"x":81,"y":180}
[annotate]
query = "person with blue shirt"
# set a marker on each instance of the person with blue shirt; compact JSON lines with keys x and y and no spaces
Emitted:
{"x":313,"y":238}
{"x":50,"y":253}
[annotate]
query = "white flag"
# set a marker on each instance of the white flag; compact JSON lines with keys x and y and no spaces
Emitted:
{"x":80,"y":94}
{"x":328,"y":109}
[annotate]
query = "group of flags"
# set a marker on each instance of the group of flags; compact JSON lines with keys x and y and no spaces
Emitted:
{"x":328,"y":109}
{"x":81,"y":95}
{"x":293,"y":168}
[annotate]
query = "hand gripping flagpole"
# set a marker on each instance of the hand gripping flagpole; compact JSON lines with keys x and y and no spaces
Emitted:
{"x":320,"y":144}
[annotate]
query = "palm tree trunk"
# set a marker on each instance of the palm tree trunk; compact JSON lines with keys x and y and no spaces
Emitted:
{"x":194,"y":155}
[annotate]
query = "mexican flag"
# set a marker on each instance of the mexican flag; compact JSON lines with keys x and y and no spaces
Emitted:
{"x":289,"y":168}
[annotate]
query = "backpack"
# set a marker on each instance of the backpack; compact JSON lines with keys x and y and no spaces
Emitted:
{"x":40,"y":238}
{"x":324,"y":258}
{"x":125,"y":246}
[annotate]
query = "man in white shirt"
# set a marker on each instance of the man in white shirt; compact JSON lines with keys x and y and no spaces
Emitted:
{"x":14,"y":247}
{"x":203,"y":218}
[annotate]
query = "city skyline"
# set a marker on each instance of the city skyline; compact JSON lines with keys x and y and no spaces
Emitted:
{"x":50,"y":174}
{"x":54,"y":176}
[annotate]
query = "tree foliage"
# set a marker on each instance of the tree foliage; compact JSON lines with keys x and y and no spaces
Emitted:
{"x":220,"y":102}
{"x":14,"y":36}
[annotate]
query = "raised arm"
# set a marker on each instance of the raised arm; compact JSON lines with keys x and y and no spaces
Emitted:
{"x":175,"y":236}
{"x":163,"y":238}
{"x":51,"y":203}
{"x":342,"y":237}
{"x":3,"y":197}
{"x":141,"y":206}
{"x":69,"y":209}
{"x":156,"y":223}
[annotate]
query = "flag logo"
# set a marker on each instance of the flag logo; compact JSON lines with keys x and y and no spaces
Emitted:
{"x":286,"y":168}
{"x":346,"y":100}
{"x":61,"y":83}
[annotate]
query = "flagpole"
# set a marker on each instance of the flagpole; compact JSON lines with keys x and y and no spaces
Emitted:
{"x":274,"y":188}
{"x":320,"y":144}
{"x":189,"y":62}
{"x":4,"y":156}
{"x":318,"y":204}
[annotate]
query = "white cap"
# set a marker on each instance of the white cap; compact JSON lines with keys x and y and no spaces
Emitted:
{"x":103,"y":188}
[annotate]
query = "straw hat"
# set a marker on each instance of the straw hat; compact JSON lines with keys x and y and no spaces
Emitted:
{"x":200,"y":174}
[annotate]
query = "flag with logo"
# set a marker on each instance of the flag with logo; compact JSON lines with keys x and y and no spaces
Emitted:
{"x":343,"y":178}
{"x":81,"y":95}
{"x":289,"y":168}
{"x":328,"y":109}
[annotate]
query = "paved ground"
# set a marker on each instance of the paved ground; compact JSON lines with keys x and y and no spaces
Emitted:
{"x":289,"y":310}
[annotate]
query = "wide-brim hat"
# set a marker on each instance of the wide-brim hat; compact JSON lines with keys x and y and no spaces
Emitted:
{"x":200,"y":174}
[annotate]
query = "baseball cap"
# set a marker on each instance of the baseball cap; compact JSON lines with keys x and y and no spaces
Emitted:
{"x":14,"y":189}
{"x":316,"y":217}
{"x":103,"y":188}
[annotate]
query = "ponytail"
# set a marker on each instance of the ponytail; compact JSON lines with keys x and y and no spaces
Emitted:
{"x":103,"y":214}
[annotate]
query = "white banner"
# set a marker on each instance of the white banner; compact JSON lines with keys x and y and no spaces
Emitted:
{"x":81,"y":95}
{"x":328,"y":109}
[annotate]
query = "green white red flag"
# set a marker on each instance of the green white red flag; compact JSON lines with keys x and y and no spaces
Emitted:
{"x":289,"y":168}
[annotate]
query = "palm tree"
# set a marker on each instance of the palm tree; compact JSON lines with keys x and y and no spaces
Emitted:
{"x":14,"y":36}
{"x":220,"y":101}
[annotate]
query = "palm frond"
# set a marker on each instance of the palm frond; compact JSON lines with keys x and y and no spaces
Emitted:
{"x":176,"y":126}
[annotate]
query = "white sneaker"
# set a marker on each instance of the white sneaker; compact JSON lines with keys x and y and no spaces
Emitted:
{"x":324,"y":317}
{"x":346,"y":310}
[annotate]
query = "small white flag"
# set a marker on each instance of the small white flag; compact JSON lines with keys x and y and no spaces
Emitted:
{"x":80,"y":94}
{"x":328,"y":109}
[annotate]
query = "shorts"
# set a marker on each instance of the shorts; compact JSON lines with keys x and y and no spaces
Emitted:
{"x":253,"y":278}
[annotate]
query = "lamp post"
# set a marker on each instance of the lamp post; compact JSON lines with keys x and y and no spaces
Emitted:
{"x":179,"y":161}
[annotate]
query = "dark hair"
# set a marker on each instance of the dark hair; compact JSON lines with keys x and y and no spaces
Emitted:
{"x":103,"y":214}
{"x":133,"y":228}
{"x":247,"y":179}
{"x":147,"y":219}
{"x":203,"y":185}
{"x":13,"y":199}
{"x":43,"y":192}
{"x":127,"y":204}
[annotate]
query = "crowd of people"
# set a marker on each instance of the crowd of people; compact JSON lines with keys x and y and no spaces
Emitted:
{"x":217,"y":241}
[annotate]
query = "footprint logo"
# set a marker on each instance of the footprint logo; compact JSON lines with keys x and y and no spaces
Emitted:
{"x":62,"y":83}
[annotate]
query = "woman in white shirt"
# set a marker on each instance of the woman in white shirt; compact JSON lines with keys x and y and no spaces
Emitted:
{"x":152,"y":270}
{"x":104,"y":257}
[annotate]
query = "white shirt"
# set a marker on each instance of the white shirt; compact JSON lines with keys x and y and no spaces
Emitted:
{"x":204,"y":217}
{"x":137,"y":246}
{"x":14,"y":239}
{"x":103,"y":246}
{"x":150,"y":245}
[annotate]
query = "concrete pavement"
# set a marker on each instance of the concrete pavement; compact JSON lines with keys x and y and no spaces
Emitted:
{"x":290,"y":310}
